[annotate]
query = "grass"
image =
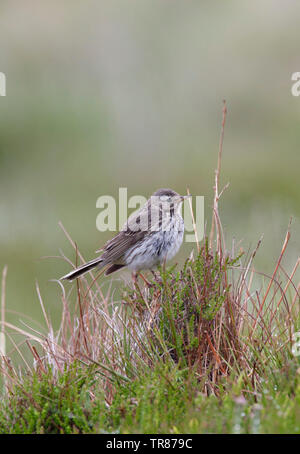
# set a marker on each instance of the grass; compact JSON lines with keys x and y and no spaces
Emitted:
{"x":202,"y":350}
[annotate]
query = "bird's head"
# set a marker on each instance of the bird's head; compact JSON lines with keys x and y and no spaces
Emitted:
{"x":167,"y":199}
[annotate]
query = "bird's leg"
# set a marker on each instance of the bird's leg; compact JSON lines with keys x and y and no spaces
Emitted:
{"x":145,"y":280}
{"x":134,"y":278}
{"x":156,"y":276}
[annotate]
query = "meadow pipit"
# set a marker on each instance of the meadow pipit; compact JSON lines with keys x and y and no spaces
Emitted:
{"x":150,"y":237}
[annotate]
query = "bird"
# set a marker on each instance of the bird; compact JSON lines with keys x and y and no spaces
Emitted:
{"x":150,"y":237}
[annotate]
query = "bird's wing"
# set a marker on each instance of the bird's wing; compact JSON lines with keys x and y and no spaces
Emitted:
{"x":133,"y":231}
{"x":142,"y":222}
{"x":114,"y":249}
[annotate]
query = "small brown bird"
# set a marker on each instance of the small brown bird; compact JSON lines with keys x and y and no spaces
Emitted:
{"x":150,"y":236}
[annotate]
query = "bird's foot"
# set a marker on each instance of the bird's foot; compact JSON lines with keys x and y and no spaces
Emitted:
{"x":135,"y":276}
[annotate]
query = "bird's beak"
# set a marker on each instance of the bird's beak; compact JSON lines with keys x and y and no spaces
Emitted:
{"x":183,"y":197}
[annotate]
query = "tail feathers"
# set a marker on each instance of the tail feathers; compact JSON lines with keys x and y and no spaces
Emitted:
{"x":82,"y":269}
{"x":113,"y":268}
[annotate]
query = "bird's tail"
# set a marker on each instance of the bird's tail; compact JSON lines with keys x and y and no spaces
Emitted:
{"x":83,"y":269}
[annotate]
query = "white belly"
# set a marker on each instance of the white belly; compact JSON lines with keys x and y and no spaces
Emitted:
{"x":156,"y":248}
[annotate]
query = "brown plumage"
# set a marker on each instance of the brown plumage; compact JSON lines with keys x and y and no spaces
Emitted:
{"x":137,"y":231}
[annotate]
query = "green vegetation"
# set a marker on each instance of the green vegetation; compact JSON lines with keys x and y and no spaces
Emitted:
{"x":159,"y":401}
{"x":178,"y":356}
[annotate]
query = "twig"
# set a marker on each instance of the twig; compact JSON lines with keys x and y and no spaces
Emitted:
{"x":217,"y":178}
{"x":286,"y":240}
{"x":2,"y":333}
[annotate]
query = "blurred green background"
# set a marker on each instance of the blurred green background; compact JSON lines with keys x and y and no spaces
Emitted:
{"x":102,"y":95}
